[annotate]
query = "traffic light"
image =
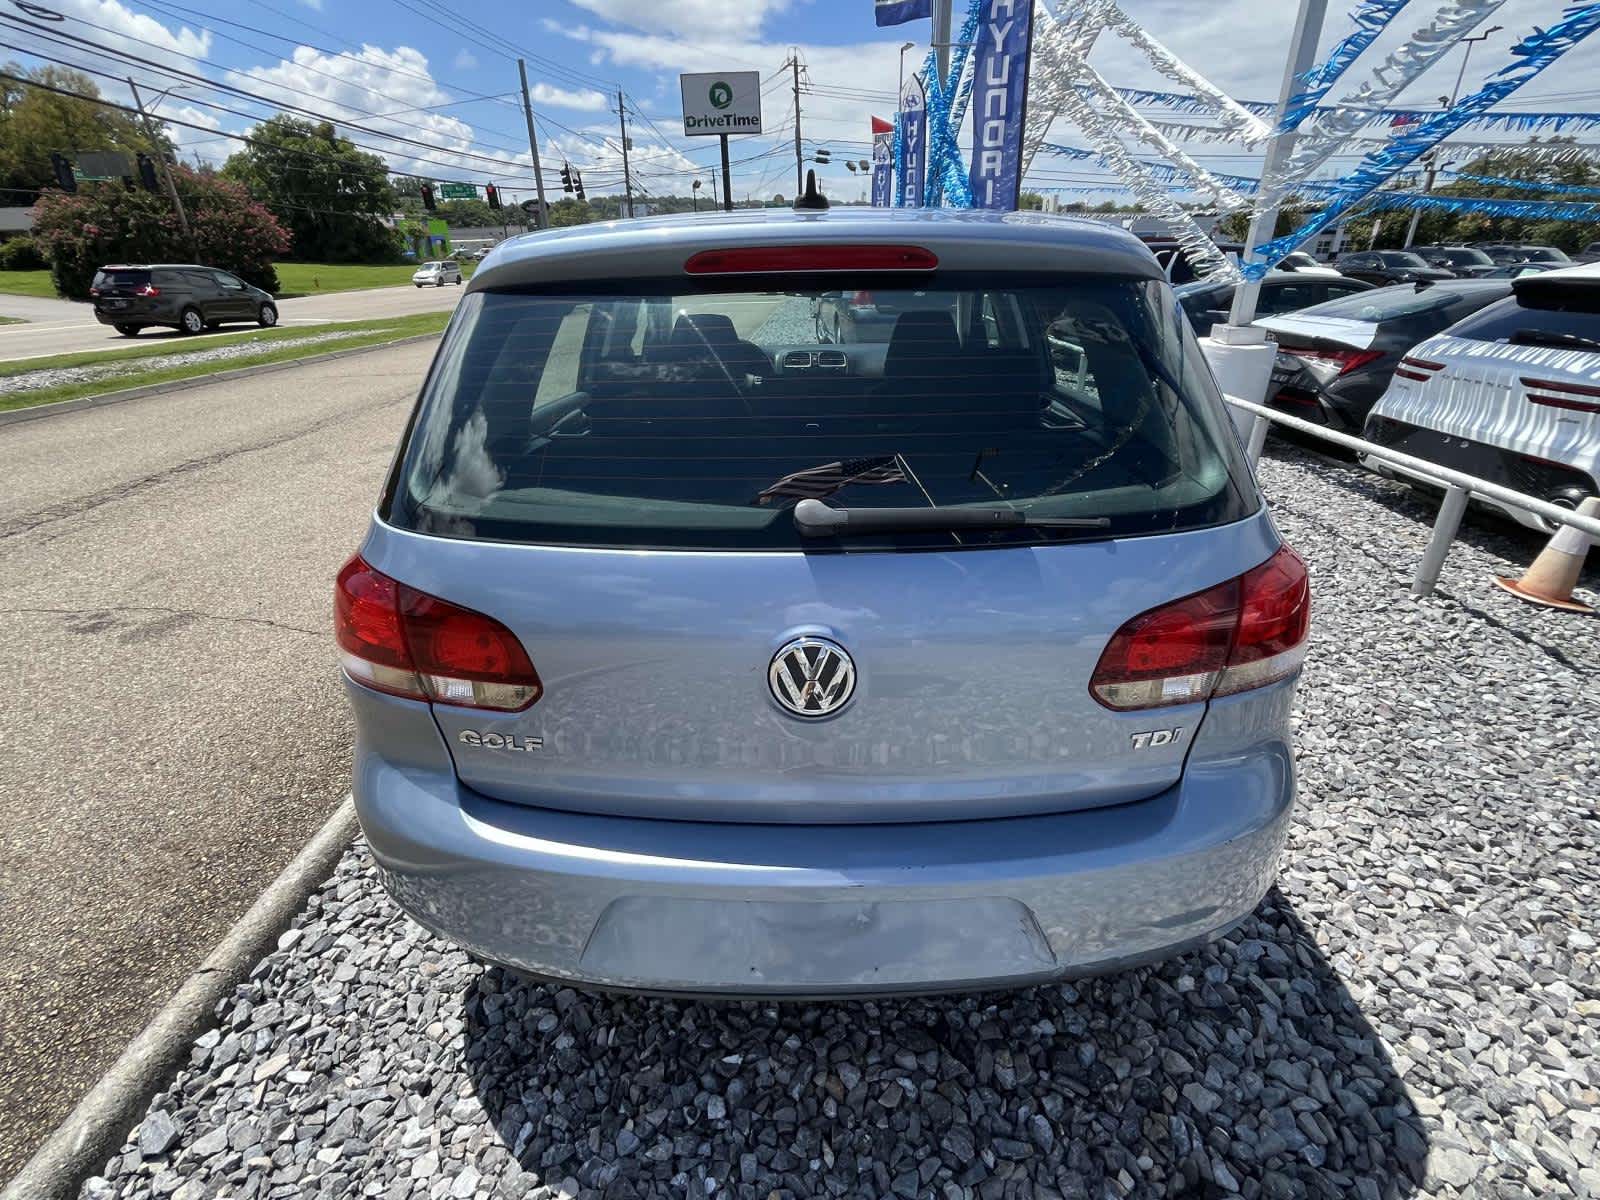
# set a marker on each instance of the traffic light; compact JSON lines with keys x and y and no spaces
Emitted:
{"x":577,"y":182}
{"x":147,"y":174}
{"x":427,"y":198}
{"x":822,"y":156}
{"x":65,"y":179}
{"x":492,"y":194}
{"x":566,"y":177}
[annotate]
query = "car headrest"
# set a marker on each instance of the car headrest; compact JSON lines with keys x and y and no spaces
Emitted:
{"x":700,"y":329}
{"x":919,"y":336}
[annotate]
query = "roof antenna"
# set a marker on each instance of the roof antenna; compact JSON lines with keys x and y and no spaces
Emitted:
{"x":812,"y":199}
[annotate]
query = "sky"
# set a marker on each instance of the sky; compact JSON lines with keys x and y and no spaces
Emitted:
{"x":432,"y":84}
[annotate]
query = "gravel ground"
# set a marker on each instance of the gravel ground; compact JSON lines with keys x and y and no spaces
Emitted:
{"x":1412,"y":1012}
{"x":32,"y":381}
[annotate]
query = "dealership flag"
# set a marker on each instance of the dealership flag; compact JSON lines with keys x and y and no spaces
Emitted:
{"x":898,"y":12}
{"x":999,"y":98}
{"x":913,"y":144}
{"x":882,"y":163}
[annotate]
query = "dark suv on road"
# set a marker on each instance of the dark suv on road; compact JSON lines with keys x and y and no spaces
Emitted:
{"x":183,"y":296}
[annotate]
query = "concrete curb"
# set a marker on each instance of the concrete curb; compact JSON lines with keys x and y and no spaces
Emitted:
{"x":39,"y":412}
{"x":95,"y":1129}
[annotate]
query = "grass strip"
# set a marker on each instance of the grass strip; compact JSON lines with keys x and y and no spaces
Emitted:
{"x":27,"y":283}
{"x":365,"y":333}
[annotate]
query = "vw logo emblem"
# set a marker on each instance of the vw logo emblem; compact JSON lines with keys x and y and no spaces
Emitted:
{"x":812,"y":677}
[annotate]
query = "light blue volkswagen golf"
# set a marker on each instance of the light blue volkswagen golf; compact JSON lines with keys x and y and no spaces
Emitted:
{"x":691,"y":653}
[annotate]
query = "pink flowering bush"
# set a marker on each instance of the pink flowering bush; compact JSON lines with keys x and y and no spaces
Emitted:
{"x":106,"y":223}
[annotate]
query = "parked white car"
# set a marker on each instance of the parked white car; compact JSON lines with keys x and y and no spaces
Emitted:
{"x":1510,"y":394}
{"x":437,"y":274}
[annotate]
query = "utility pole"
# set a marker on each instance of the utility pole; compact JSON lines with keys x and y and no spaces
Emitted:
{"x":542,"y":220}
{"x":627,"y":179}
{"x":799,"y":155}
{"x":1433,"y":155}
{"x":166,"y":172}
{"x":941,"y":36}
{"x":1302,"y":53}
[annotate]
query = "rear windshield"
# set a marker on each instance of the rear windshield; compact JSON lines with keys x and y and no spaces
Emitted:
{"x":119,"y":277}
{"x":1547,"y":254}
{"x":1536,"y":322}
{"x":1385,"y":304}
{"x":1400,"y":258}
{"x":659,"y":419}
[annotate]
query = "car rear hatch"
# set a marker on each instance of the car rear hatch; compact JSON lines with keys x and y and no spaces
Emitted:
{"x":1313,"y":352}
{"x":123,"y":291}
{"x":614,"y":480}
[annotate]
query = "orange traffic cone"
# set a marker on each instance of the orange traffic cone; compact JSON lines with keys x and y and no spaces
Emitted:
{"x":1551,"y":578}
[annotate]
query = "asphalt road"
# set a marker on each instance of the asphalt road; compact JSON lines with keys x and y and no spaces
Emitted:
{"x":64,"y":327}
{"x":175,"y":729}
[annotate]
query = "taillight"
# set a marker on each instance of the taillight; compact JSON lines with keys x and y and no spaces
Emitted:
{"x":396,"y":639}
{"x":759,"y":260}
{"x":1418,"y":370}
{"x":1539,"y":389}
{"x":860,"y":299}
{"x":1328,"y":365}
{"x":1238,"y":635}
{"x":148,"y":289}
{"x":93,"y":292}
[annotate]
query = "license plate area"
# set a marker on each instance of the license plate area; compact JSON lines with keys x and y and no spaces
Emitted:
{"x":800,"y":947}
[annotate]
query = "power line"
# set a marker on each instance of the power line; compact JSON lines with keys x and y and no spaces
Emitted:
{"x":232,"y":89}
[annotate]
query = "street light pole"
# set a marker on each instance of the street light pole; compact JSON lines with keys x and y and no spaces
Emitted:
{"x":542,"y":221}
{"x":166,"y":172}
{"x":1433,"y":157}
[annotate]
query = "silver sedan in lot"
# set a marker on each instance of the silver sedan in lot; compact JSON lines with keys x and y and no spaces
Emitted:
{"x":692,"y":654}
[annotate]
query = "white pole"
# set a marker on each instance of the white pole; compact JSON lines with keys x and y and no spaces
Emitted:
{"x":941,"y":34}
{"x":1302,"y":56}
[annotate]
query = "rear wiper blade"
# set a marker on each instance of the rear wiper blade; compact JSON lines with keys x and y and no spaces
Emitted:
{"x":1547,"y":337}
{"x":815,"y":519}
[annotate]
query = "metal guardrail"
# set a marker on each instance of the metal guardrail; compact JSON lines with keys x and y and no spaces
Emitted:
{"x":1458,"y":487}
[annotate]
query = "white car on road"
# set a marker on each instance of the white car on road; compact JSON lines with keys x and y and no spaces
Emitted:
{"x":1510,"y":394}
{"x":437,"y":274}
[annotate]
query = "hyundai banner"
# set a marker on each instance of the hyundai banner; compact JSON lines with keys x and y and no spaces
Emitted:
{"x":913,"y":144}
{"x":999,"y":98}
{"x":882,"y":167}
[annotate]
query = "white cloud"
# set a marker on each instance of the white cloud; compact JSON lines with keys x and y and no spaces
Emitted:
{"x":690,"y":18}
{"x":465,"y":60}
{"x":397,"y":85}
{"x":586,"y":100}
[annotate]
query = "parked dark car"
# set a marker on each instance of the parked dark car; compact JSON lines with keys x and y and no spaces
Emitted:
{"x":1335,"y":360}
{"x":1518,"y":252}
{"x":1464,"y":262}
{"x":183,"y":296}
{"x":1382,"y":267}
{"x":1589,"y":254}
{"x":1206,"y":303}
{"x":863,"y":316}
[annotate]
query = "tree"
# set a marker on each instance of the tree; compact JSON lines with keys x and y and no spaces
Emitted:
{"x":469,"y":214}
{"x":35,"y":122}
{"x":1031,"y":201}
{"x":327,"y":193}
{"x":105,"y":223}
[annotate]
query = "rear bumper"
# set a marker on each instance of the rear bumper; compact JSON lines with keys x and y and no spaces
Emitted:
{"x":695,"y":907}
{"x":1533,"y":475}
{"x":133,"y":316}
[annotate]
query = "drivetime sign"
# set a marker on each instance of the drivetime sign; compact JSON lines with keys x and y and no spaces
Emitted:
{"x":721,"y":102}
